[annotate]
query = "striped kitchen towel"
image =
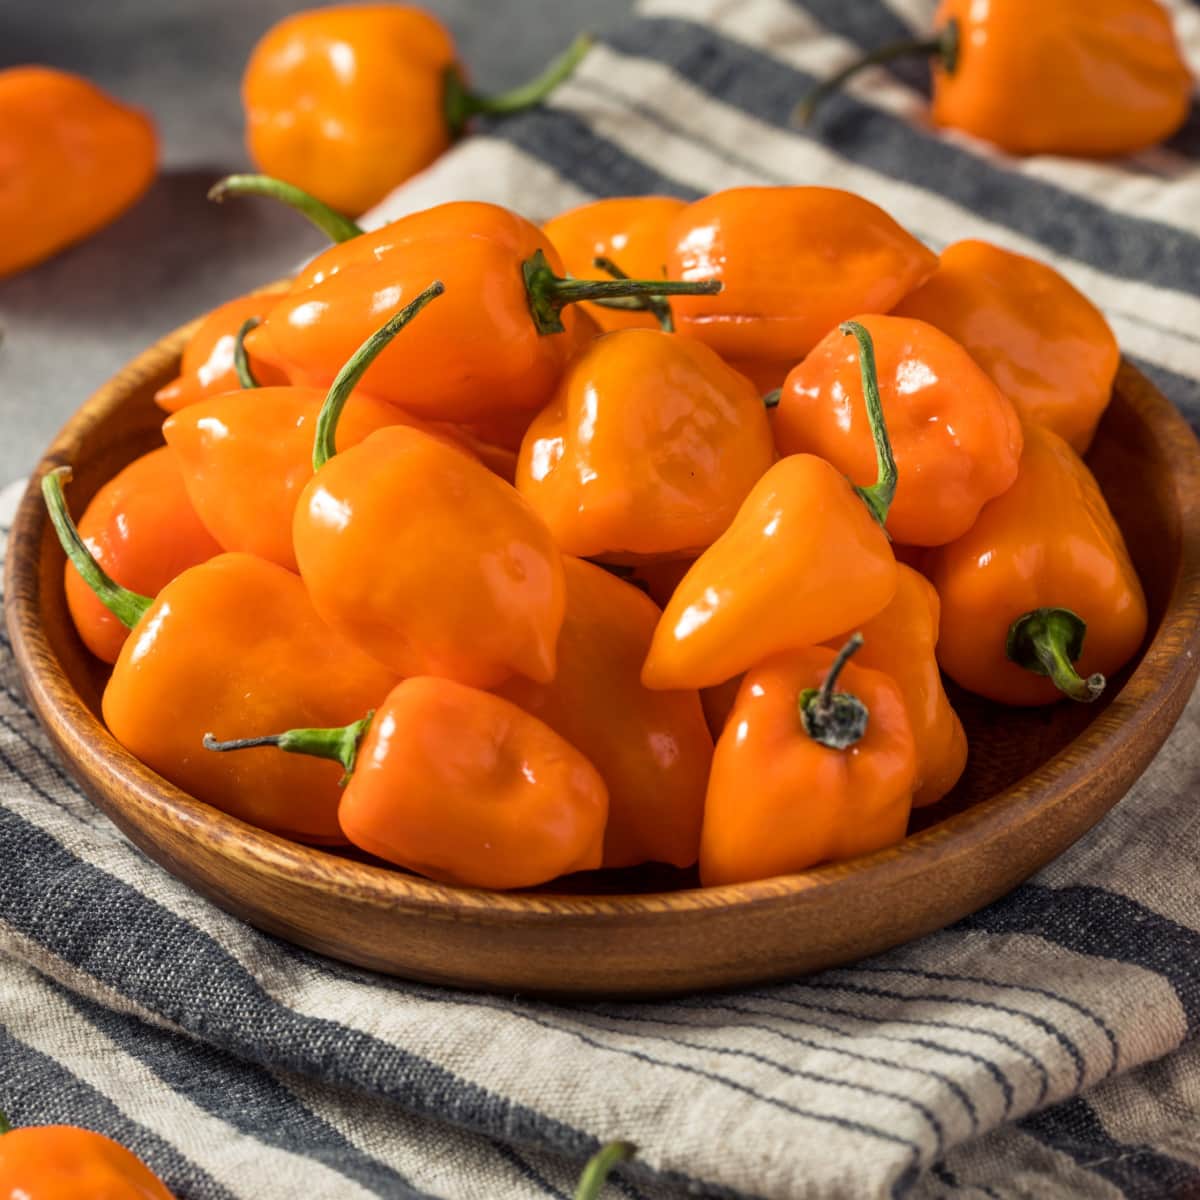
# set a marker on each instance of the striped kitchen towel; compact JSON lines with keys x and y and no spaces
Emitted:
{"x":1042,"y":1048}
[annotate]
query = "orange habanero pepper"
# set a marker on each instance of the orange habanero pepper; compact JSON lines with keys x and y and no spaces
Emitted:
{"x":647,"y":450}
{"x":214,"y":361}
{"x":803,"y":774}
{"x":459,"y":785}
{"x":804,"y":559}
{"x":64,"y":1162}
{"x":900,"y":642}
{"x":652,"y":748}
{"x":1044,"y":564}
{"x":418,"y":554}
{"x":349,"y":101}
{"x":141,"y":528}
{"x":239,"y":633}
{"x":795,"y":261}
{"x":499,"y":343}
{"x":1077,"y":77}
{"x":244,"y":464}
{"x":1045,"y":345}
{"x":74,"y":160}
{"x":630,"y":231}
{"x":956,"y":439}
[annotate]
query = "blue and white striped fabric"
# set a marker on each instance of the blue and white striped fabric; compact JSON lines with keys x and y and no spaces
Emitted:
{"x":1043,"y":1047}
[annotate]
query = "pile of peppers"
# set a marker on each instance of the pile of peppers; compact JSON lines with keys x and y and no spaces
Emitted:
{"x":478,"y":554}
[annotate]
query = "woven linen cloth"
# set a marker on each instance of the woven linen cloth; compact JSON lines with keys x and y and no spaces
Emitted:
{"x":1043,"y":1047}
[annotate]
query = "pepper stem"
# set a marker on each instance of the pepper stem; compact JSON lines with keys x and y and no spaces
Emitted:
{"x":340,"y":744}
{"x":772,"y":398}
{"x":335,"y":226}
{"x":5,"y":1127}
{"x":241,"y":362}
{"x":325,"y":445}
{"x":549,"y":294}
{"x":944,"y":46}
{"x":878,"y":497}
{"x":128,"y":607}
{"x":657,"y":305}
{"x":1048,"y":641}
{"x":460,"y":104}
{"x":835,"y":719}
{"x":598,"y":1167}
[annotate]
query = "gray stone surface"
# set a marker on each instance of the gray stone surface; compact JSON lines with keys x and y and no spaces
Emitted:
{"x":72,"y":321}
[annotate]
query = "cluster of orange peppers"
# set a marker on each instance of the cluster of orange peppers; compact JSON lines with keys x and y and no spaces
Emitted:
{"x":348,"y":102}
{"x":520,"y":548}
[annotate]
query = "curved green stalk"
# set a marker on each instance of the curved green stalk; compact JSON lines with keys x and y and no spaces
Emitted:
{"x":128,"y":607}
{"x":878,"y":497}
{"x":549,"y":293}
{"x":241,"y":362}
{"x":1049,"y":641}
{"x":598,"y":1167}
{"x":835,"y":719}
{"x":460,"y":104}
{"x":331,"y":223}
{"x":5,"y":1127}
{"x":944,"y":45}
{"x":340,"y":744}
{"x":657,"y":305}
{"x":325,"y":444}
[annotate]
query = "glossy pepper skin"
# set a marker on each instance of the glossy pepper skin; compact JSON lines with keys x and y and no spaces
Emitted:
{"x":1048,"y":542}
{"x":647,"y":450}
{"x":779,"y":801}
{"x":142,"y":529}
{"x":900,"y":642}
{"x":239,"y":634}
{"x":74,"y":160}
{"x":207,"y":367}
{"x":479,"y":354}
{"x":245,"y":461}
{"x":467,"y":788}
{"x":349,"y":101}
{"x":459,"y":785}
{"x":653,"y":749}
{"x":795,"y":261}
{"x":630,"y":231}
{"x":1044,"y":344}
{"x":802,"y":561}
{"x":1092,"y":78}
{"x":64,"y":1162}
{"x":429,"y":562}
{"x":805,"y":558}
{"x":956,"y":438}
{"x":1076,"y":77}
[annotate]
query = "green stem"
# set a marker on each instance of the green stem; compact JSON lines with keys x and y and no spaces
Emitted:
{"x":878,"y":497}
{"x":549,"y":294}
{"x":1049,"y":641}
{"x":598,"y":1167}
{"x":772,"y":398}
{"x":325,"y":445}
{"x":241,"y":363}
{"x":128,"y":607}
{"x":340,"y":744}
{"x":657,"y":305}
{"x":835,"y":719}
{"x":945,"y":45}
{"x":5,"y":1127}
{"x":460,"y":104}
{"x":335,"y":226}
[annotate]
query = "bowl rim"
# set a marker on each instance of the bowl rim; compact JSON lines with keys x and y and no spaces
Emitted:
{"x":1168,"y":661}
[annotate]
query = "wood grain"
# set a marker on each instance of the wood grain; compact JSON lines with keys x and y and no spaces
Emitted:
{"x":1036,"y":781}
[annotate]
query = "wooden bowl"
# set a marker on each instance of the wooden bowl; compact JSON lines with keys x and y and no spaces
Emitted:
{"x":1036,"y":781}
